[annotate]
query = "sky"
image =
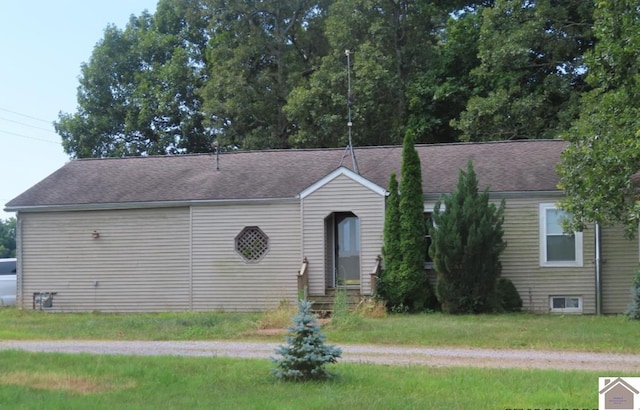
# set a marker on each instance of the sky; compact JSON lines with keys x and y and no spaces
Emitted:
{"x":42,"y":45}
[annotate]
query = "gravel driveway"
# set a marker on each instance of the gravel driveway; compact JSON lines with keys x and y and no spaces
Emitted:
{"x":391,"y":355}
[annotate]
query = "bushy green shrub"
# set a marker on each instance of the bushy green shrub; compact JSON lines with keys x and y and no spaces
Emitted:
{"x":507,"y":295}
{"x":305,"y":354}
{"x":467,"y":243}
{"x":633,"y":313}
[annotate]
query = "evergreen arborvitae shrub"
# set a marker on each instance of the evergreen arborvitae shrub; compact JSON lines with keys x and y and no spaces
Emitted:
{"x":507,"y":295}
{"x":391,"y":250}
{"x":305,"y":354}
{"x":466,"y":246}
{"x":634,"y":309}
{"x":412,"y":283}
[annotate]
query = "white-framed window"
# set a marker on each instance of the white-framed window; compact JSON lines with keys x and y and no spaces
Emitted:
{"x":565,"y":304}
{"x":558,"y":248}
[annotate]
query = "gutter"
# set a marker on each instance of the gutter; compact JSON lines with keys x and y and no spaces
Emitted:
{"x":19,"y":258}
{"x":503,"y":195}
{"x":143,"y":205}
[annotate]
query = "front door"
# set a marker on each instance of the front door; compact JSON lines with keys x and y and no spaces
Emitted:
{"x":347,"y":249}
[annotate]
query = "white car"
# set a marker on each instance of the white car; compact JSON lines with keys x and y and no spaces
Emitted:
{"x":7,"y":281}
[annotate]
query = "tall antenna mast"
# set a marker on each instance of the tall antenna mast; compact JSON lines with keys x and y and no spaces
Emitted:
{"x":216,"y":146}
{"x":349,"y":123}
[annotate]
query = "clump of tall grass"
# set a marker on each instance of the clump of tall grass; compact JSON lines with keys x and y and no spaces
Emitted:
{"x":371,"y":308}
{"x":343,"y":317}
{"x":277,"y":317}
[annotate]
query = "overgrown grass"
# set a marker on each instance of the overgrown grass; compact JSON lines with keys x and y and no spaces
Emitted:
{"x":520,"y":331}
{"x":58,"y":381}
{"x":515,"y":331}
{"x":23,"y":325}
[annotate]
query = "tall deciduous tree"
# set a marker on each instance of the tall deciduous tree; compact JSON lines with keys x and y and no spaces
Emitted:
{"x":8,"y":238}
{"x":390,"y":43}
{"x":438,"y":94}
{"x":467,"y":243}
{"x":531,"y":72}
{"x":259,"y":51}
{"x":137,"y":93}
{"x":597,"y":168}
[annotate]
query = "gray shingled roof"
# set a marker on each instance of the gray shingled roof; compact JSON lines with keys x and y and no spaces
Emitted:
{"x":515,"y":166}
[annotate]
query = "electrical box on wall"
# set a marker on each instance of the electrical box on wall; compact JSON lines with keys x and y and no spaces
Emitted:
{"x":43,"y":300}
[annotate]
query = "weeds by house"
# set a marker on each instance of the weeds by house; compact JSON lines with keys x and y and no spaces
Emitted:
{"x":371,"y":308}
{"x":59,"y":381}
{"x":341,"y":316}
{"x":278,"y":317}
{"x":345,"y":318}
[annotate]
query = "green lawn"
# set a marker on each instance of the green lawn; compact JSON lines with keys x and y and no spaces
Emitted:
{"x":58,"y":381}
{"x":519,"y":331}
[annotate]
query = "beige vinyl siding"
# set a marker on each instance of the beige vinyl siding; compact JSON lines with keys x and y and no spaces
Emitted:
{"x":521,"y":260}
{"x":140,"y":262}
{"x":222,"y":280}
{"x":342,"y":194}
{"x":620,"y":262}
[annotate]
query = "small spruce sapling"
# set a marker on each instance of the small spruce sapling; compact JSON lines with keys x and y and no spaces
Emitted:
{"x":306,"y":354}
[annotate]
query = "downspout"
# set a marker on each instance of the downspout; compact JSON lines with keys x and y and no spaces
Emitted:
{"x":598,"y":263}
{"x":19,"y":259}
{"x":191,"y":258}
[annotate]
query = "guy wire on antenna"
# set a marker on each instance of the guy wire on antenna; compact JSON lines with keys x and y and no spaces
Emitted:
{"x":349,"y":123}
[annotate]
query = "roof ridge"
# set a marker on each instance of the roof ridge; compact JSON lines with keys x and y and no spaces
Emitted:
{"x":363,"y":147}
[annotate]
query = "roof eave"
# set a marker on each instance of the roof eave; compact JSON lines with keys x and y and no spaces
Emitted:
{"x":505,"y":194}
{"x":143,"y":205}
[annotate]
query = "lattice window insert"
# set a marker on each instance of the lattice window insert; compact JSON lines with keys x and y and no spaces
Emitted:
{"x":252,"y":244}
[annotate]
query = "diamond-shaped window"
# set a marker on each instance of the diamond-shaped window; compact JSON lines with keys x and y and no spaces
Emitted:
{"x":252,"y":244}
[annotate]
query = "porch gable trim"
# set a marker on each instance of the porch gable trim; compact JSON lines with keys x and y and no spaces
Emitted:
{"x":349,"y":174}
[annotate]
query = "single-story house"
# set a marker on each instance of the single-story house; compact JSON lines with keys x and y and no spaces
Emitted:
{"x":231,"y":231}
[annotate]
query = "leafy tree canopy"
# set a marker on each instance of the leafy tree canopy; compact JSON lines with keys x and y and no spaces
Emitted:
{"x":531,"y":70}
{"x":273,"y":74}
{"x":8,"y":238}
{"x":598,"y":170}
{"x":138,"y":92}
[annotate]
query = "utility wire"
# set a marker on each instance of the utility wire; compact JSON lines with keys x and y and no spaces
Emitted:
{"x":27,"y":125}
{"x":26,"y":136}
{"x":25,"y":115}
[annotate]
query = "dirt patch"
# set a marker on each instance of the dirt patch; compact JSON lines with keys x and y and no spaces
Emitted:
{"x":58,"y":381}
{"x":270,"y":332}
{"x":274,"y":331}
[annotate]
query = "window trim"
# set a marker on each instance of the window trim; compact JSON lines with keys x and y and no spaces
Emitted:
{"x":428,"y":209}
{"x":565,"y":310}
{"x":578,"y":262}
